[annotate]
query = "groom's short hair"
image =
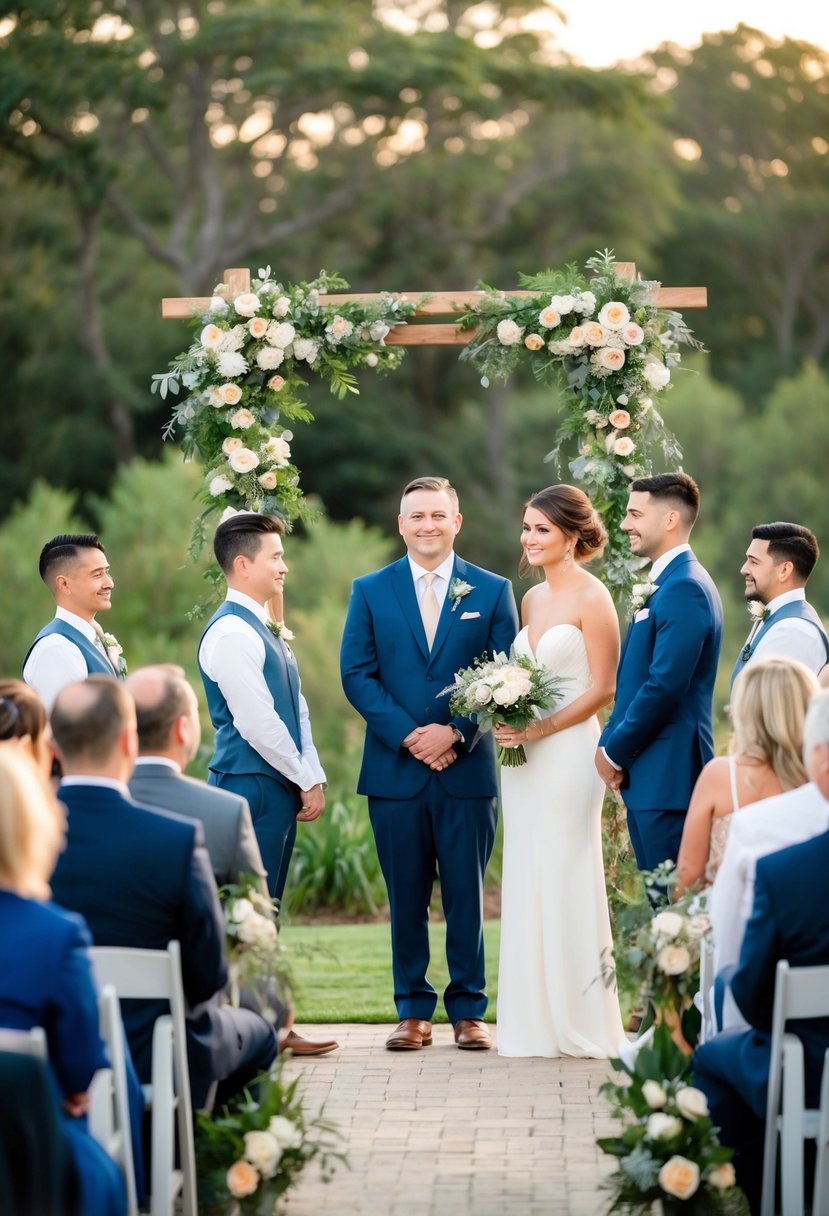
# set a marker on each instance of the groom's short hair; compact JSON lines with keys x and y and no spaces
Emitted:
{"x":790,"y":543}
{"x":61,"y":551}
{"x":676,"y":488}
{"x":243,"y":533}
{"x":436,"y":484}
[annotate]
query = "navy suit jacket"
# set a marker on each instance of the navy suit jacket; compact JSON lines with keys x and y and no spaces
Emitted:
{"x":394,"y":682}
{"x":141,"y":878}
{"x":661,"y":730}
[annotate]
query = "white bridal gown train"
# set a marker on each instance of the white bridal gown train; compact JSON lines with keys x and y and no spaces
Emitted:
{"x":555,"y":926}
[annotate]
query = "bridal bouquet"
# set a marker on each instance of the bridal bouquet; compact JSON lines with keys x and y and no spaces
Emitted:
{"x":503,"y":690}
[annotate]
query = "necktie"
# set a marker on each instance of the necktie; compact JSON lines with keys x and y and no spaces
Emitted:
{"x":429,"y":608}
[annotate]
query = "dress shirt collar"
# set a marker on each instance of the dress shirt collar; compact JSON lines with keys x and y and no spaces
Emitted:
{"x":444,"y":570}
{"x":788,"y":597}
{"x":163,"y":760}
{"x":661,"y":564}
{"x":77,"y":622}
{"x":107,"y":783}
{"x":245,"y":601}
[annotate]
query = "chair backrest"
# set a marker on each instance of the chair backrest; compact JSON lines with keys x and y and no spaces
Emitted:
{"x":25,"y":1042}
{"x":800,"y":992}
{"x":109,"y":1112}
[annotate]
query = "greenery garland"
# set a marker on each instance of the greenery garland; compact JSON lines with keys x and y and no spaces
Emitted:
{"x":601,"y":341}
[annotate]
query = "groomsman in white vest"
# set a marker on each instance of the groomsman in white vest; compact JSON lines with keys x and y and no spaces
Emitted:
{"x":778,"y":563}
{"x":72,"y":646}
{"x":263,"y":747}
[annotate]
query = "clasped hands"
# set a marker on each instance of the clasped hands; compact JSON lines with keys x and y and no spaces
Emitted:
{"x":610,"y":775}
{"x":313,"y":804}
{"x":433,"y":744}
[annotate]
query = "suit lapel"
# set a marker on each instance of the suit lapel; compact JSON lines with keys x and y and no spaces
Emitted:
{"x":404,"y":590}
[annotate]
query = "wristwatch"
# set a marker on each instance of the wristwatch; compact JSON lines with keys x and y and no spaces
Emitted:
{"x":459,"y":738}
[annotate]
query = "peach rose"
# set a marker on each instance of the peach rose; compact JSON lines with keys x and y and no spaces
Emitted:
{"x":533,"y":341}
{"x":594,"y":333}
{"x":633,"y":334}
{"x":576,"y":336}
{"x":243,"y":460}
{"x":211,"y":337}
{"x":549,"y":317}
{"x":258,"y":327}
{"x":242,"y":1179}
{"x":623,"y":446}
{"x":614,"y":314}
{"x":267,"y":481}
{"x":231,"y":444}
{"x":679,"y":1177}
{"x":611,"y":357}
{"x":231,"y":394}
{"x":216,"y":396}
{"x":241,"y":419}
{"x":619,"y":419}
{"x":276,"y":383}
{"x":723,"y":1177}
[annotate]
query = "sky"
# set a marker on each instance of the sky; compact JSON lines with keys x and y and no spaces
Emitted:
{"x":601,"y":34}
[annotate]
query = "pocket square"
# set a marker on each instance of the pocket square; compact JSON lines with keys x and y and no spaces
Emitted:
{"x":642,"y":614}
{"x":469,"y":616}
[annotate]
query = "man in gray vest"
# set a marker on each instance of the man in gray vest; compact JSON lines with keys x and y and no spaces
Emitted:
{"x":263,"y":747}
{"x":778,"y":563}
{"x":73,"y":645}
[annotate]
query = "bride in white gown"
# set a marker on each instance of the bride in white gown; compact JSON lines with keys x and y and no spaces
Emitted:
{"x":555,"y":927}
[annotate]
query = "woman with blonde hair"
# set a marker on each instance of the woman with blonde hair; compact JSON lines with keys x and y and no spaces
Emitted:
{"x":768,"y":707}
{"x":45,"y":974}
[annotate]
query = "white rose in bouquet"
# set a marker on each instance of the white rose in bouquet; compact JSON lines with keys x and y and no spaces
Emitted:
{"x":662,"y":1127}
{"x":241,"y":910}
{"x":269,"y":358}
{"x":654,"y":1094}
{"x":277,"y":450}
{"x":243,"y":460}
{"x":211,"y":337}
{"x":247,"y":304}
{"x":656,"y":374}
{"x":240,"y":420}
{"x":692,"y":1103}
{"x":673,"y":960}
{"x":281,"y":306}
{"x":614,"y":314}
{"x":263,"y":1151}
{"x":666,"y":926}
{"x":509,"y":334}
{"x":258,"y":327}
{"x":220,"y":485}
{"x":284,"y":1132}
{"x":281,"y":335}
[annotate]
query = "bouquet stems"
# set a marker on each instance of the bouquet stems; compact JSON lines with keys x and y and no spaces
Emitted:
{"x":512,"y":757}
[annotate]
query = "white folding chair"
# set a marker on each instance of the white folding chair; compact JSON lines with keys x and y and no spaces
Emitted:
{"x":25,"y":1042}
{"x":799,"y":992}
{"x":109,"y":1111}
{"x":820,"y":1203}
{"x":156,"y":975}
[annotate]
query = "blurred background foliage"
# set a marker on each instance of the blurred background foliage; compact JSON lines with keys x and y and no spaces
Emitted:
{"x":410,"y":146}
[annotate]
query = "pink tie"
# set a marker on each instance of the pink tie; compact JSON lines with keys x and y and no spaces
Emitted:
{"x":429,"y":608}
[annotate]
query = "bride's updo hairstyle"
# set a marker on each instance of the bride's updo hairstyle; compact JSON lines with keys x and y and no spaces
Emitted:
{"x":571,"y":510}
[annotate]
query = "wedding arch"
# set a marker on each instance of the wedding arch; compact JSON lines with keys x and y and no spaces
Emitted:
{"x":608,"y":340}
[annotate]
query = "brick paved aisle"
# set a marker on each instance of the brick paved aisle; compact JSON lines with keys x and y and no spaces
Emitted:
{"x":443,"y":1132}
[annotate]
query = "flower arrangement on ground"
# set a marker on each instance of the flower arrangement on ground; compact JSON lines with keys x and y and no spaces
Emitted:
{"x":503,"y":689}
{"x":255,"y":952}
{"x":612,"y":352}
{"x":253,"y":1150}
{"x":668,"y":1150}
{"x":243,"y":379}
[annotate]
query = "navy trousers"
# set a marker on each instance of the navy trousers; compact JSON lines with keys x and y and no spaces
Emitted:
{"x":273,"y":808}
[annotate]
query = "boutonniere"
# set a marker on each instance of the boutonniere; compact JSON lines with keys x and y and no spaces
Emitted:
{"x":457,"y":590}
{"x":640,"y":593}
{"x":280,"y":630}
{"x":757,"y":611}
{"x":115,"y":653}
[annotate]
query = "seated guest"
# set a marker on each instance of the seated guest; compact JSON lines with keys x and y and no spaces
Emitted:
{"x":141,"y":878}
{"x":767,"y":710}
{"x":771,"y":825}
{"x":45,"y":974}
{"x":23,"y":721}
{"x":169,"y":733}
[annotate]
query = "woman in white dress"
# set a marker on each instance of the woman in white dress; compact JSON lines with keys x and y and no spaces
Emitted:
{"x":555,"y":926}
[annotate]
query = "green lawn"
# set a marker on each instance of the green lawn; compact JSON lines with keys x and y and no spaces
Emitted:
{"x":342,"y":973}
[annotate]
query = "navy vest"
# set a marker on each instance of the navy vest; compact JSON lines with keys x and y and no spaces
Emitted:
{"x":96,"y":663}
{"x":232,"y":753}
{"x":796,"y":609}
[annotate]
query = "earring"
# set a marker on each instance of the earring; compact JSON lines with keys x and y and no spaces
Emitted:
{"x":568,"y":557}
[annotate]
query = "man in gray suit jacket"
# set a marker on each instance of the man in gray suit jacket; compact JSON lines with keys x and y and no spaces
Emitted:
{"x":169,"y":734}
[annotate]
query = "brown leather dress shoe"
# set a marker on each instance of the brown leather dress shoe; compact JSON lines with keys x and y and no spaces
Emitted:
{"x":295,"y":1043}
{"x":472,"y":1035}
{"x":410,"y":1035}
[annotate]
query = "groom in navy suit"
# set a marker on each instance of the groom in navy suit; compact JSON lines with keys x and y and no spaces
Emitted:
{"x":430,"y":781}
{"x":660,"y":733}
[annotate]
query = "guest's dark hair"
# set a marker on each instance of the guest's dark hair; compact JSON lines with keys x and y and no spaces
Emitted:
{"x":243,"y":533}
{"x":21,"y":711}
{"x":87,"y":718}
{"x":570,"y":509}
{"x":155,"y":718}
{"x":678,"y":489}
{"x":790,"y":543}
{"x":60,"y":551}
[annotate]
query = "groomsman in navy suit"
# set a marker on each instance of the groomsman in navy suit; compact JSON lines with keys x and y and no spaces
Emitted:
{"x":660,"y":733}
{"x":430,"y":779}
{"x":75,"y":569}
{"x":778,"y":563}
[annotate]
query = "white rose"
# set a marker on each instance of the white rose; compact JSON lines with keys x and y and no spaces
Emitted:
{"x":231,"y":394}
{"x":504,"y":695}
{"x":679,"y":1177}
{"x":242,"y":1179}
{"x":654,"y":1095}
{"x":586,"y":303}
{"x":269,"y":358}
{"x":656,"y":374}
{"x":256,"y":930}
{"x":277,"y":450}
{"x":211,"y":337}
{"x":614,"y":315}
{"x":227,"y":514}
{"x":673,"y":960}
{"x":305,"y":348}
{"x":481,"y":694}
{"x":378,"y":331}
{"x":230,"y":363}
{"x":243,"y":460}
{"x":633,"y":334}
{"x":699,"y":925}
{"x":509,"y":334}
{"x":610,"y":357}
{"x":233,"y":339}
{"x":241,"y":910}
{"x":692,"y":1103}
{"x":231,"y":444}
{"x":258,"y":327}
{"x":242,"y":419}
{"x":594,"y":333}
{"x":263,"y":1152}
{"x":723,"y":1177}
{"x":216,"y":396}
{"x":549,"y":317}
{"x":563,"y":304}
{"x":281,"y":306}
{"x":623,"y":446}
{"x":667,"y":925}
{"x":246,"y":304}
{"x":281,"y":335}
{"x":371,"y":359}
{"x":220,"y":485}
{"x":285,"y":1133}
{"x":218,"y":304}
{"x":662,"y":1127}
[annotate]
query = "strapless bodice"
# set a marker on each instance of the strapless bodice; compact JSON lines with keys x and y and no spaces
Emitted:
{"x":562,"y":651}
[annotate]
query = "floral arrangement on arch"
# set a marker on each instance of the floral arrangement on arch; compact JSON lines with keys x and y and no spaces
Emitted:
{"x":243,"y":379}
{"x":612,"y":352}
{"x":256,"y":955}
